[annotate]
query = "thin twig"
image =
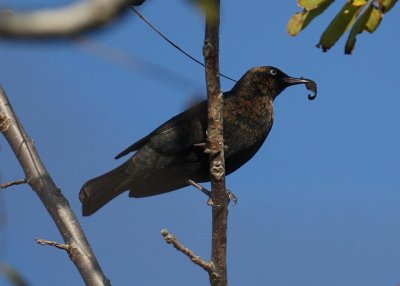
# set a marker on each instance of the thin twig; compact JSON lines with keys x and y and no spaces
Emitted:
{"x":41,"y":241}
{"x":171,"y":239}
{"x":154,"y":28}
{"x":13,"y":183}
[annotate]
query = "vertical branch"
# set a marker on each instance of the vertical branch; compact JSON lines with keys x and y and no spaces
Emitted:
{"x":56,"y":204}
{"x":216,"y":146}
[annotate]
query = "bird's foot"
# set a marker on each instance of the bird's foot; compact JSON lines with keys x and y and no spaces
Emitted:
{"x":203,"y":190}
{"x":232,"y":198}
{"x":207,"y":150}
{"x":210,"y":202}
{"x":204,"y":146}
{"x":201,"y":145}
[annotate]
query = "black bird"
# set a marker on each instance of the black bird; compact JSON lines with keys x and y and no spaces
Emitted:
{"x":171,"y":154}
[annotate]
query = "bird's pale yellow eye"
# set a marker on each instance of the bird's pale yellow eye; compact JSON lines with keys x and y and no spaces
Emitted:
{"x":272,"y":72}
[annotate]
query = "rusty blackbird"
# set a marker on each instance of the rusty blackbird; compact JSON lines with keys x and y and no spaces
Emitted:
{"x":171,"y":154}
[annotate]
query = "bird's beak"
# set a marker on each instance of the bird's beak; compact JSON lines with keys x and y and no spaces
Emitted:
{"x":310,"y":84}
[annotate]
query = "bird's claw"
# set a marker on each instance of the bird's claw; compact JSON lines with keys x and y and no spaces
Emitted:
{"x":232,"y":198}
{"x":204,"y":146}
{"x":210,"y":202}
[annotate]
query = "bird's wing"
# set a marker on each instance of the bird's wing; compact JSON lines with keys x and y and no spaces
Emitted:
{"x":180,"y":132}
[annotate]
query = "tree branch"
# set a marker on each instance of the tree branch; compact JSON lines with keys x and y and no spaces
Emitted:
{"x":13,"y":183}
{"x":219,"y":194}
{"x":52,"y":198}
{"x":171,"y":239}
{"x":62,"y":22}
{"x":62,"y":246}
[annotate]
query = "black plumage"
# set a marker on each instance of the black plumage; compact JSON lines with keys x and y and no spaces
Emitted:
{"x":170,"y":155}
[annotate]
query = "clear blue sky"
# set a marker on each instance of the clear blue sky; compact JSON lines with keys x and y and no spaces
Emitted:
{"x":319,"y":203}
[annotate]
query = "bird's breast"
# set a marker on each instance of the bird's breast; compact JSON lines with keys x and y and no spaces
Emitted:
{"x":247,"y":123}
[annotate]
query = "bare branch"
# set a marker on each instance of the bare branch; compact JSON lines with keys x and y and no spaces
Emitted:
{"x":13,"y":183}
{"x":216,"y":145}
{"x":52,"y":198}
{"x":61,"y":22}
{"x":53,"y":243}
{"x":171,"y":239}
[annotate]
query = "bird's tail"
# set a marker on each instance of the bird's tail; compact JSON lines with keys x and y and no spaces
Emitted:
{"x":96,"y":192}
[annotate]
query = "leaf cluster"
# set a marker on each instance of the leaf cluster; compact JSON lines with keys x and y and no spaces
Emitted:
{"x":356,"y":15}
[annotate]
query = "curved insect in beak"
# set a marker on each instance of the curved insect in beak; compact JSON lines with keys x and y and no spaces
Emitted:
{"x":310,"y":85}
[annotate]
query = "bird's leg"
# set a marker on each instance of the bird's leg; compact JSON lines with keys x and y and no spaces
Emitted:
{"x":199,"y":187}
{"x":232,"y":197}
{"x":203,"y":190}
{"x":203,"y":146}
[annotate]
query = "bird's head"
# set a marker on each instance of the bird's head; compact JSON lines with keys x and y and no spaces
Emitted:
{"x":271,"y":81}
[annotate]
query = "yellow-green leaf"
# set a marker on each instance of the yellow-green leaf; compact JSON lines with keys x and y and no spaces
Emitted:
{"x":358,"y":2}
{"x":296,"y":23}
{"x":300,"y":20}
{"x":343,"y":20}
{"x":386,"y":5}
{"x":207,"y":6}
{"x":374,"y":20}
{"x":310,"y":4}
{"x":358,"y":28}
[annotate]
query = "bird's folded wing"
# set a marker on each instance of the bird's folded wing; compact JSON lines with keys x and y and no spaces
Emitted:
{"x":177,"y":134}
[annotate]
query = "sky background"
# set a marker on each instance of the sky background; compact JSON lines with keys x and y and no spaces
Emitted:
{"x":318,"y":204}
